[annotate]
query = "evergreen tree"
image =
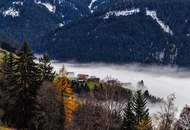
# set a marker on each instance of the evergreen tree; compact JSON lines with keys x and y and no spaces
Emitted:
{"x":7,"y":67}
{"x":84,"y":87}
{"x":9,"y":70}
{"x":87,"y":89}
{"x":26,"y":75}
{"x":8,"y":96}
{"x":4,"y":69}
{"x":46,"y":68}
{"x":141,"y":111}
{"x":129,"y":117}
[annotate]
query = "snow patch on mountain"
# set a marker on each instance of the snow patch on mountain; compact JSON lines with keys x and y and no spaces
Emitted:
{"x":122,"y":13}
{"x":49,"y":6}
{"x":11,"y":12}
{"x":160,"y":55}
{"x":18,"y":3}
{"x":90,"y":5}
{"x":153,"y":15}
{"x":61,"y":24}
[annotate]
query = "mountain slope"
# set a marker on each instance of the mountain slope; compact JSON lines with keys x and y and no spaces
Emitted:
{"x":146,"y":32}
{"x":29,"y":20}
{"x":119,"y":31}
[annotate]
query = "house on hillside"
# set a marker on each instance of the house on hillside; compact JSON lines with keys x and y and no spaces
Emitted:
{"x":71,"y":75}
{"x":113,"y":82}
{"x":82,"y":77}
{"x":94,"y":79}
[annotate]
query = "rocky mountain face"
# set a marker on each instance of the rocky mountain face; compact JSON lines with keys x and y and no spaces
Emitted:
{"x":116,"y":31}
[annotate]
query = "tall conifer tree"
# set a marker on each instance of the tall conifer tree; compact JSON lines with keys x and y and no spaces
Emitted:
{"x":128,"y":117}
{"x":141,"y":111}
{"x":46,"y":68}
{"x":27,"y":83}
{"x":8,"y":96}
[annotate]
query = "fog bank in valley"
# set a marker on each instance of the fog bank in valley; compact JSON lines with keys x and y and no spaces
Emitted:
{"x":160,"y":80}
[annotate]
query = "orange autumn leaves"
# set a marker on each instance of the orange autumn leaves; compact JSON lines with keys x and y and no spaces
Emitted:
{"x":144,"y":125}
{"x":66,"y":92}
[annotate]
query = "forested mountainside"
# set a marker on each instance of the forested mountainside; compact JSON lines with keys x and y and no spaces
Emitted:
{"x":147,"y":32}
{"x":119,"y":31}
{"x":28,"y":20}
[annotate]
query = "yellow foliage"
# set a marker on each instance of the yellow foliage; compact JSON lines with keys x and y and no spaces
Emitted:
{"x":64,"y":87}
{"x":144,"y":125}
{"x":71,"y":106}
{"x":4,"y":128}
{"x":65,"y":90}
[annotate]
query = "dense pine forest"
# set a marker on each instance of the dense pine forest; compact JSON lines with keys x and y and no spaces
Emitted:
{"x":34,"y":97}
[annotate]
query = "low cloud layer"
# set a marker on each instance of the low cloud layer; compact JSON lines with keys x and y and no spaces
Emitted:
{"x":160,"y":80}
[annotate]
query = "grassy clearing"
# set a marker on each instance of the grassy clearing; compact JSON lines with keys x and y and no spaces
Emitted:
{"x":92,"y":84}
{"x":2,"y":54}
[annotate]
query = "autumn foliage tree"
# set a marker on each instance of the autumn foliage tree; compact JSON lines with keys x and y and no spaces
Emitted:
{"x":66,"y":93}
{"x":144,"y":124}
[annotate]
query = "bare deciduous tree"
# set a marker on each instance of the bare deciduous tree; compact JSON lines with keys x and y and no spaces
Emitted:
{"x":101,"y":108}
{"x":51,"y":110}
{"x":183,"y":122}
{"x":167,"y":114}
{"x":92,"y":116}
